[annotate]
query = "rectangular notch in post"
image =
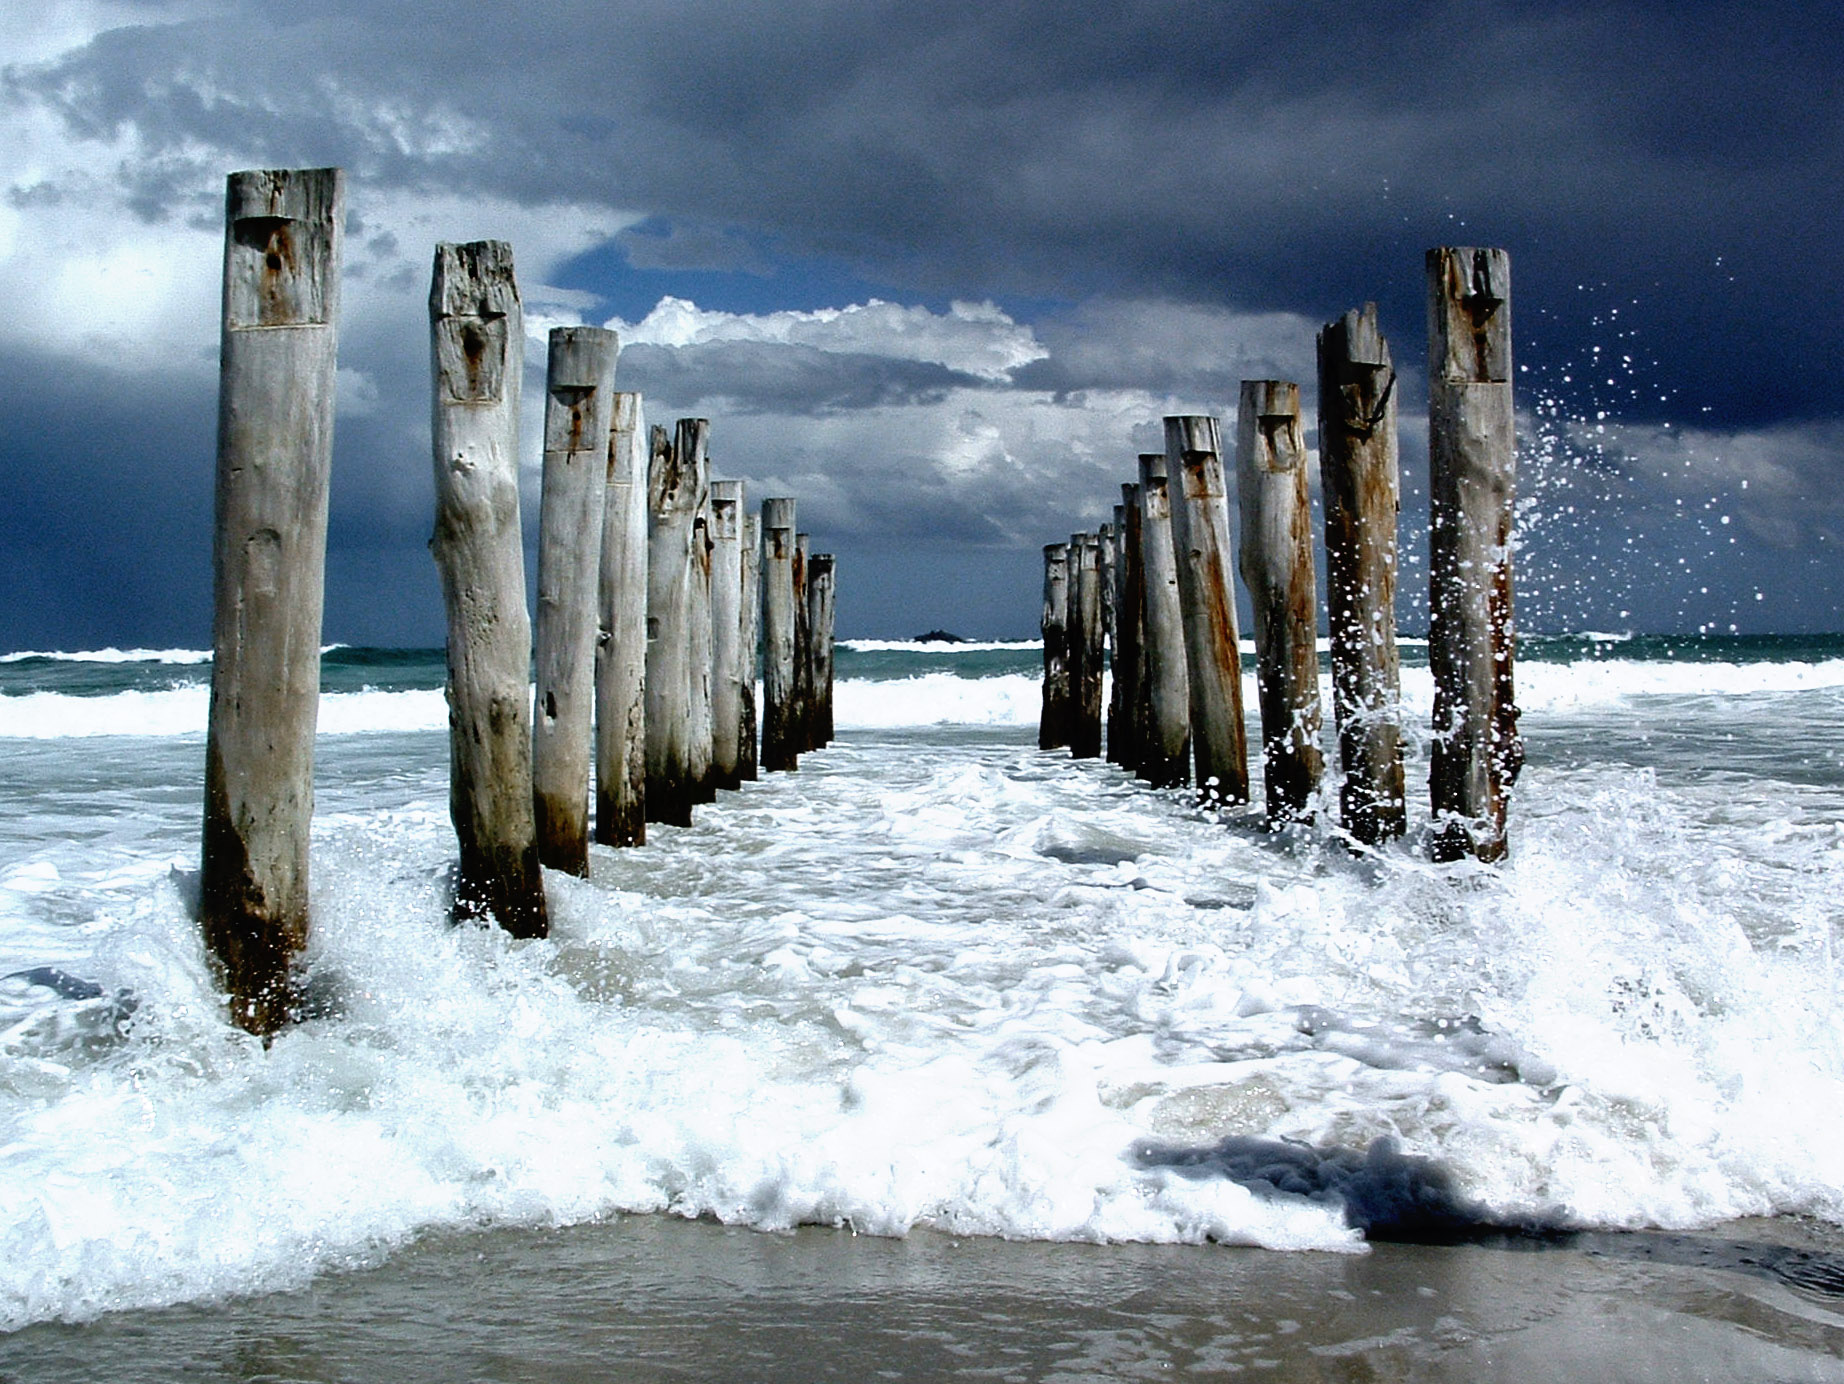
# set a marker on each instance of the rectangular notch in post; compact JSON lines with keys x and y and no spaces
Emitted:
{"x":278,"y":258}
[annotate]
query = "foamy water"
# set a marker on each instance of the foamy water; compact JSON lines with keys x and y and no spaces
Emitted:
{"x":922,"y":699}
{"x":935,"y":978}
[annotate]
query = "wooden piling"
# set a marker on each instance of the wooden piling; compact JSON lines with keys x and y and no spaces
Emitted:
{"x":579,"y":385}
{"x":747,"y":758}
{"x":1472,"y":476}
{"x":1129,"y":655}
{"x":1113,"y":536}
{"x":780,"y":734}
{"x":477,"y":344}
{"x":621,"y":649}
{"x":1165,"y":745}
{"x":276,"y":365}
{"x":700,"y":734}
{"x":1276,"y":555}
{"x":1055,"y":717}
{"x":802,"y":718}
{"x":727,"y":633}
{"x":1201,"y":543}
{"x":1359,"y":480}
{"x":820,"y":588}
{"x":1085,"y":646}
{"x":672,"y":505}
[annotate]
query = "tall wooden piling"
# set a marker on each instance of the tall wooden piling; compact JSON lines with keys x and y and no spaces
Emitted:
{"x":1085,"y":646}
{"x":820,"y":588}
{"x":579,"y":389}
{"x":1165,"y":745}
{"x":672,"y":504}
{"x":1358,"y":475}
{"x":1472,"y":476}
{"x":621,"y":648}
{"x":700,"y":734}
{"x":780,"y":733}
{"x":747,"y":757}
{"x":1200,"y":540}
{"x":1276,"y":555}
{"x":477,"y":341}
{"x":276,"y":365}
{"x":1129,"y":655}
{"x":1108,"y":558}
{"x":802,"y":717}
{"x":727,"y":633}
{"x":1054,"y":720}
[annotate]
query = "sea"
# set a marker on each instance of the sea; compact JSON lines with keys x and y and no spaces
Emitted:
{"x":944,"y":1056}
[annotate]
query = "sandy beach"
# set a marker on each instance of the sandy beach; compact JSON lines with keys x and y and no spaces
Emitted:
{"x":659,"y":1298}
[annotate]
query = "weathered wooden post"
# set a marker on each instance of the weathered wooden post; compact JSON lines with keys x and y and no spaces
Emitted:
{"x":1165,"y":747}
{"x":1200,"y":540}
{"x":1085,"y":646}
{"x":621,"y":649}
{"x":1276,"y":555}
{"x":1358,"y":476}
{"x":1472,"y":475}
{"x":579,"y":385}
{"x":276,"y":367}
{"x":819,"y":633}
{"x":747,"y":762}
{"x":1130,"y":620}
{"x":780,"y":731}
{"x":672,"y":504}
{"x":727,"y":633}
{"x":700,"y":734}
{"x":1113,"y":539}
{"x":1054,"y":720}
{"x":803,"y":645}
{"x":477,"y":339}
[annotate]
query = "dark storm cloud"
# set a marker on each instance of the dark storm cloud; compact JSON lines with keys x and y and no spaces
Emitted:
{"x":1158,"y":177}
{"x":1270,"y":156}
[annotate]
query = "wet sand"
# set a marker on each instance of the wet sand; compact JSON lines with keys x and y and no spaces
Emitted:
{"x":655,"y":1298}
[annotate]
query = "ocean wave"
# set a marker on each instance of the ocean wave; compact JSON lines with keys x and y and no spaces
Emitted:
{"x":182,"y":656}
{"x":927,"y":699}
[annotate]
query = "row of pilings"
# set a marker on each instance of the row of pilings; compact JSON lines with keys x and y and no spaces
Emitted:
{"x":1152,"y":592}
{"x":656,"y":588}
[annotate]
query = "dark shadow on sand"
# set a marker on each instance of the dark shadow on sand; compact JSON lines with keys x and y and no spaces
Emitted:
{"x":1402,"y":1199}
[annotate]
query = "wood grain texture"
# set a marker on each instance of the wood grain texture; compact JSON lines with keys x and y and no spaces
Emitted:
{"x":780,"y":735}
{"x":476,"y":333}
{"x":672,"y":508}
{"x":1165,"y":746}
{"x":1084,"y":635}
{"x":748,"y":762}
{"x":1276,"y":557}
{"x":1056,"y":714}
{"x":276,"y":369}
{"x":1361,"y":487}
{"x":621,"y":649}
{"x":1477,"y":751}
{"x":1206,"y":562}
{"x":578,"y":404}
{"x":727,"y":633}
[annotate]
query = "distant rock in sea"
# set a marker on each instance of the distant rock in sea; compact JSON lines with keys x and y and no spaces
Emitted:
{"x":939,"y":637}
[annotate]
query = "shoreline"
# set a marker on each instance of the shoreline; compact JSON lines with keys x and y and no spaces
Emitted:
{"x":657,"y":1297}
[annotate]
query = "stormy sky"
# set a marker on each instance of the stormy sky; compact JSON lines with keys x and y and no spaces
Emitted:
{"x":939,"y":269}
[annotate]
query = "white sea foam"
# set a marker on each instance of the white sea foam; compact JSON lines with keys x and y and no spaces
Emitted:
{"x":112,"y":656}
{"x":932,"y":983}
{"x":178,"y":711}
{"x":930,"y":699}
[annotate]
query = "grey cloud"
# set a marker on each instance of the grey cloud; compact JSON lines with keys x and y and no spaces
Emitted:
{"x":776,"y":377}
{"x":1186,"y":188}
